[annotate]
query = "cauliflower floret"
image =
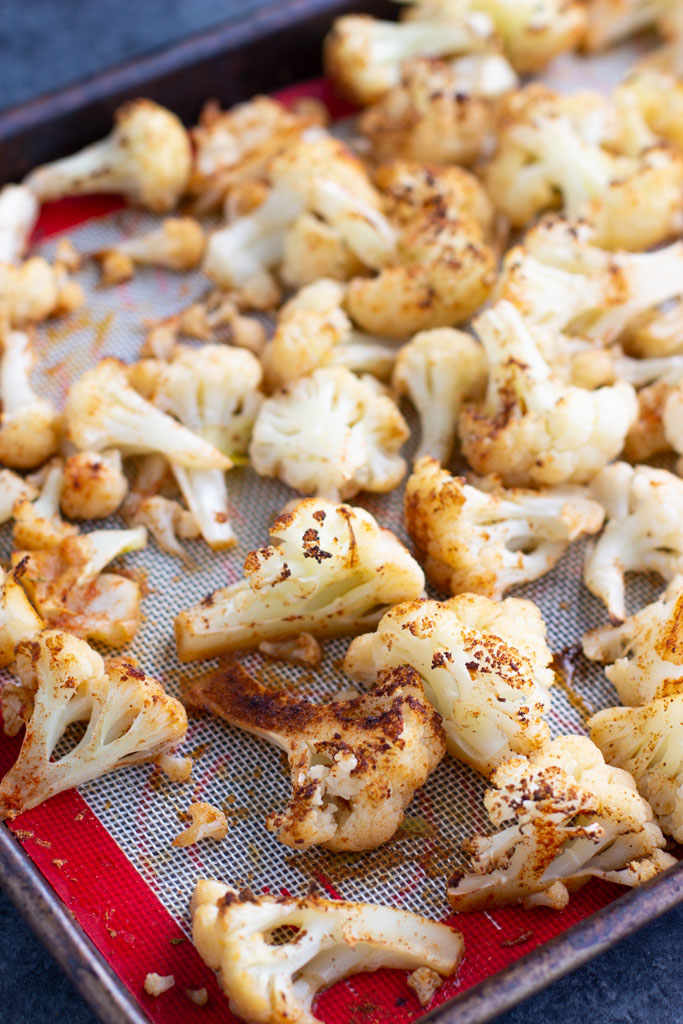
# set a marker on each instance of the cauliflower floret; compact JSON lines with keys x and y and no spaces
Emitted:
{"x":13,"y":488}
{"x":214,"y":392}
{"x":532,"y":427}
{"x":609,"y":21}
{"x":18,"y":618}
{"x":533,"y":32}
{"x":644,"y":531}
{"x":216,"y":312}
{"x":156,"y":984}
{"x":103,"y":411}
{"x":566,"y":817}
{"x":208,"y":822}
{"x":129,"y":719}
{"x":35,"y":290}
{"x":235,"y":146}
{"x":38,"y":524}
{"x":166,"y":520}
{"x":319,"y":175}
{"x":332,"y":434}
{"x":312,"y":250}
{"x":313,"y":330}
{"x":271,"y":983}
{"x":438,"y":370}
{"x":486,"y":541}
{"x":657,"y":334}
{"x":646,"y":742}
{"x":646,"y":651}
{"x":658,"y":97}
{"x":439,"y":113}
{"x":559,"y":151}
{"x":147,"y":158}
{"x":178,"y":244}
{"x":19,"y":211}
{"x":29,"y":424}
{"x":558,"y":279}
{"x":444,"y":266}
{"x":355,"y":764}
{"x":94,"y":485}
{"x":330,"y":571}
{"x":484,"y":667}
{"x":67,"y":585}
{"x":363,"y":57}
{"x":672,"y":418}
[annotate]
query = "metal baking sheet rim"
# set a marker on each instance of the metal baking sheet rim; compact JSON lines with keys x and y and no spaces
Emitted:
{"x":77,"y":955}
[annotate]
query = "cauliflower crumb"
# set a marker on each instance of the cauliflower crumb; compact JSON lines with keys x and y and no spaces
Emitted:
{"x":208,"y":822}
{"x":200,"y":996}
{"x":155,"y":984}
{"x":424,"y":983}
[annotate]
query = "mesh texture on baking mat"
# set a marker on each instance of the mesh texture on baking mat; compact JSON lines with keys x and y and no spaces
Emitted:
{"x":240,"y":773}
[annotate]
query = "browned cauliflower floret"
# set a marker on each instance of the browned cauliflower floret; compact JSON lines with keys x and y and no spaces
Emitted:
{"x":609,"y":21}
{"x":94,"y":485}
{"x":484,"y":667}
{"x":533,"y":427}
{"x":35,"y":290}
{"x":444,"y":265}
{"x":354,"y":764}
{"x":329,"y":570}
{"x":129,"y":717}
{"x":565,"y":817}
{"x":29,"y":424}
{"x":18,"y":618}
{"x":147,"y":158}
{"x":486,"y":540}
{"x":330,"y":433}
{"x":178,"y":244}
{"x":207,"y":822}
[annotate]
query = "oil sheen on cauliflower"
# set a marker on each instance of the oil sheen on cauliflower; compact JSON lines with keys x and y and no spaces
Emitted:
{"x":484,"y":667}
{"x":355,"y":764}
{"x":564,"y":817}
{"x":330,"y":570}
{"x":271,"y":982}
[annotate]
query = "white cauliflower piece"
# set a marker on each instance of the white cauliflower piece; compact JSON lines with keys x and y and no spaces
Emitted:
{"x":532,"y":427}
{"x":129,"y":716}
{"x":38,"y":524}
{"x":609,"y":21}
{"x":658,"y":98}
{"x":484,"y":667}
{"x":207,"y":822}
{"x":19,"y":211}
{"x":559,"y":279}
{"x":645,"y":652}
{"x":363,"y":56}
{"x":646,"y":742}
{"x":314,"y":249}
{"x":658,"y":334}
{"x":18,"y":617}
{"x":560,"y":151}
{"x":329,"y":570}
{"x":439,"y":113}
{"x":332,"y":434}
{"x":484,"y":541}
{"x":313,"y":330}
{"x":271,"y":983}
{"x":103,"y":411}
{"x":34,"y":290}
{"x":147,"y":158}
{"x":566,"y":817}
{"x":94,"y":484}
{"x":177,"y":244}
{"x":166,"y":520}
{"x":29,"y":424}
{"x":672,"y":418}
{"x":355,"y":764}
{"x":533,"y":32}
{"x":444,"y":265}
{"x":438,"y":370}
{"x":644,"y":530}
{"x":13,"y":488}
{"x":156,"y":984}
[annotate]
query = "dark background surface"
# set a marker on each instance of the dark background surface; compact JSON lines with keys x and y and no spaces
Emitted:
{"x":45,"y":44}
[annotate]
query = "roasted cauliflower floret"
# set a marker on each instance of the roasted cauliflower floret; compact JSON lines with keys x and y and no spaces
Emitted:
{"x":94,"y":485}
{"x":207,"y":822}
{"x":13,"y":488}
{"x":565,"y":816}
{"x":355,"y":764}
{"x":313,"y":330}
{"x":534,"y":32}
{"x":38,"y":524}
{"x":35,"y":290}
{"x":19,"y":211}
{"x":178,"y":244}
{"x":444,"y":265}
{"x":235,"y":146}
{"x":438,"y":370}
{"x":103,"y":411}
{"x":363,"y":56}
{"x":532,"y":427}
{"x":557,"y":151}
{"x":18,"y":618}
{"x":439,"y":113}
{"x":658,"y":97}
{"x":129,"y":717}
{"x":644,"y":530}
{"x":645,"y":652}
{"x":484,"y":541}
{"x":29,"y":424}
{"x":331,"y":434}
{"x":147,"y":158}
{"x":484,"y":667}
{"x":330,"y":571}
{"x":646,"y":742}
{"x":609,"y":21}
{"x":272,"y":983}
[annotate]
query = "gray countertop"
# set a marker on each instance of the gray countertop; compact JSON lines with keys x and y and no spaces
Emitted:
{"x":45,"y":44}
